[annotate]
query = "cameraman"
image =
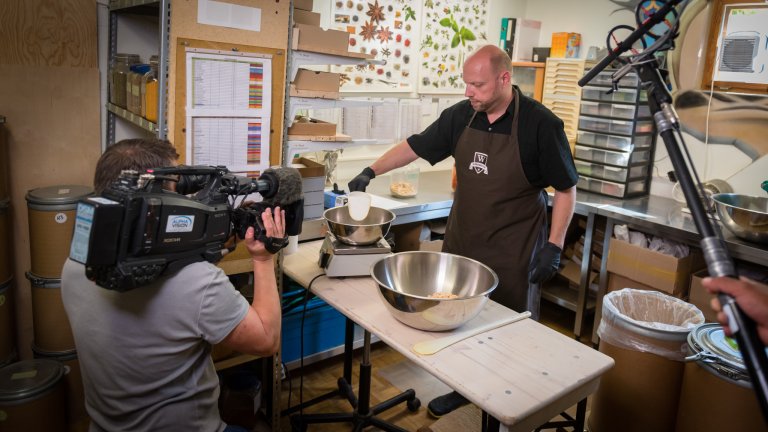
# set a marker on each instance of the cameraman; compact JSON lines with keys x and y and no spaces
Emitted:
{"x":145,"y":353}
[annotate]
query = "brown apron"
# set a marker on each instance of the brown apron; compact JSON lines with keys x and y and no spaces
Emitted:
{"x":497,"y":217}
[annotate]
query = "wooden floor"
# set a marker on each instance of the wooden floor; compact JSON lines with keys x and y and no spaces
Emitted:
{"x":321,"y":377}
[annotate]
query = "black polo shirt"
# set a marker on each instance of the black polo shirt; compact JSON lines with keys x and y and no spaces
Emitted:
{"x":544,"y":149}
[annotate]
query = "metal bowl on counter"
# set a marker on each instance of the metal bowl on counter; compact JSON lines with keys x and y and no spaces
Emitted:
{"x":358,"y":233}
{"x":745,"y":216}
{"x":433,"y":291}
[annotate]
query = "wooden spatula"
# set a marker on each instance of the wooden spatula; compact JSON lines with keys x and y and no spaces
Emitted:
{"x":432,"y":346}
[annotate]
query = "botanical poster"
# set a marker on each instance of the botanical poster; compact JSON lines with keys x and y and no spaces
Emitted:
{"x":450,"y":30}
{"x":387,"y":29}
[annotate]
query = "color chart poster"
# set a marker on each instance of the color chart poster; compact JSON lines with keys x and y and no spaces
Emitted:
{"x":228,"y":108}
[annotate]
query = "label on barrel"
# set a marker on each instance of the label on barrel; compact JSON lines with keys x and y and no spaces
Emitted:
{"x":60,"y":218}
{"x":24,"y":375}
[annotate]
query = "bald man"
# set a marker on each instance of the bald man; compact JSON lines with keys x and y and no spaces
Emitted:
{"x":508,"y":148}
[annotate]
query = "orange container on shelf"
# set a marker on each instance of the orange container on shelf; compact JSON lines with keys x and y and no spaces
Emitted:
{"x":565,"y":45}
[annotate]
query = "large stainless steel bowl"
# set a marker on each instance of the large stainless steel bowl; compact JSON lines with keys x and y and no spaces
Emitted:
{"x":407,"y":280}
{"x":745,"y":216}
{"x":359,"y":233}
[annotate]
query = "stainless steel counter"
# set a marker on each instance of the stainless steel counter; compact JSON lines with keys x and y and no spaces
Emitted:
{"x":433,"y":200}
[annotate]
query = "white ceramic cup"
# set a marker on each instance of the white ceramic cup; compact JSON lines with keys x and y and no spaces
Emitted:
{"x":293,"y":245}
{"x":358,"y":204}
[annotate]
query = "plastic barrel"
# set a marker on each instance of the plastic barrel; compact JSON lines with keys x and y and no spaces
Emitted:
{"x":51,"y":329}
{"x":6,"y":272}
{"x":73,"y":387}
{"x":7,"y":324}
{"x":32,"y":396}
{"x":51,"y":223}
{"x":640,"y":393}
{"x":716,"y":394}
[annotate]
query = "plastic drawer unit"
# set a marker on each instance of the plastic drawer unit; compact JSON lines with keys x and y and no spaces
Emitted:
{"x":619,"y":190}
{"x":614,"y":110}
{"x":606,"y":172}
{"x":616,"y":158}
{"x":613,"y":142}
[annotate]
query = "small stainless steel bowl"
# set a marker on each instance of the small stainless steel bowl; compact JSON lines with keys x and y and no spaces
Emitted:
{"x":745,"y":216}
{"x":359,"y":233}
{"x":407,"y":280}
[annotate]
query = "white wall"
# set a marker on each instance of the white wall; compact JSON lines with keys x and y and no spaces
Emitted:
{"x":593,"y":19}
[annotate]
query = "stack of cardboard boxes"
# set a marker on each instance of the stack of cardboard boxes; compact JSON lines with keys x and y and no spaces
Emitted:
{"x":631,"y":266}
{"x":312,"y":185}
{"x":309,"y":36}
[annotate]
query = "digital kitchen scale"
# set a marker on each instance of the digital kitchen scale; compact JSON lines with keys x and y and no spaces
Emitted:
{"x":340,"y":259}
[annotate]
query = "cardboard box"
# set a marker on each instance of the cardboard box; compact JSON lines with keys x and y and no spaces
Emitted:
{"x":431,"y":245}
{"x":317,"y":81}
{"x":303,"y":5}
{"x":309,"y":168}
{"x":700,"y":297}
{"x":571,"y":271}
{"x":658,"y":271}
{"x":565,"y":45}
{"x":314,"y":38}
{"x":313,"y":198}
{"x":313,"y":211}
{"x":313,"y":184}
{"x":407,"y":236}
{"x":306,"y":17}
{"x":312,"y":128}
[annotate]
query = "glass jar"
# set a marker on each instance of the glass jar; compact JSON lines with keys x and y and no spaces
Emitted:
{"x":149,"y":91}
{"x":404,"y":182}
{"x":133,"y":87}
{"x":118,"y":76}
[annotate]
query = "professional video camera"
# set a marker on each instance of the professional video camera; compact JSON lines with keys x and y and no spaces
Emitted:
{"x":136,"y":231}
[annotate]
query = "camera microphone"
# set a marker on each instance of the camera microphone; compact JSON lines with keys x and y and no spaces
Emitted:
{"x":284,"y":186}
{"x":281,"y":187}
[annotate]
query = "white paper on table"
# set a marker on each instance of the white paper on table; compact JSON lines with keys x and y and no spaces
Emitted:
{"x":387,"y":204}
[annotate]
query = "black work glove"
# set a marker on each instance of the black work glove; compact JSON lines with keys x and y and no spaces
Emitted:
{"x":360,"y":182}
{"x":545,"y":263}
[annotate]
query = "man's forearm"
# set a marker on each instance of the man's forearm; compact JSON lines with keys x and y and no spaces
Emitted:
{"x":266,"y":299}
{"x":400,"y":155}
{"x":563,"y":204}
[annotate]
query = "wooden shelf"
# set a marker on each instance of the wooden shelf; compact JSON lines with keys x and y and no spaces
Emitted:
{"x":133,"y":118}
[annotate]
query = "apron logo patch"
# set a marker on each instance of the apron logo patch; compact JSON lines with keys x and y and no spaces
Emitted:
{"x":479,"y":164}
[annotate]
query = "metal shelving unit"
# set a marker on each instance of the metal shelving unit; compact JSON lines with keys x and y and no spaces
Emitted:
{"x":141,"y":8}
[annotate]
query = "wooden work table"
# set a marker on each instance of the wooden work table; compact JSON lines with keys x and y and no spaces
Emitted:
{"x":522,"y":374}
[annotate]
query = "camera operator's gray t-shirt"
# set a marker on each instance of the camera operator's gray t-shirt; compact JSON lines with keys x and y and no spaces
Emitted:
{"x":145,"y":354}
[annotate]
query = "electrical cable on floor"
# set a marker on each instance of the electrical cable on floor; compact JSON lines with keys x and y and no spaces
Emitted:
{"x":301,"y":343}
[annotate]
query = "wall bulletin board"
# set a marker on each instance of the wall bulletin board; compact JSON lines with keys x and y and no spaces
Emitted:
{"x":256,"y":123}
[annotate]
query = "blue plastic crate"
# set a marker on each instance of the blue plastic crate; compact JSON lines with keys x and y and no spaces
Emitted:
{"x":323,"y":330}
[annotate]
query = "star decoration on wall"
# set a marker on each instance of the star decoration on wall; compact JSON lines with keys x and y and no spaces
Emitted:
{"x":368,"y":31}
{"x":376,"y":12}
{"x":384,"y":34}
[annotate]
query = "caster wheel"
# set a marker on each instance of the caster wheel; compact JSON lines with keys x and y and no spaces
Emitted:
{"x":413,"y":404}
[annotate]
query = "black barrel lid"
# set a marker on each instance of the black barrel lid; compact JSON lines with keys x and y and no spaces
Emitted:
{"x":28,"y":378}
